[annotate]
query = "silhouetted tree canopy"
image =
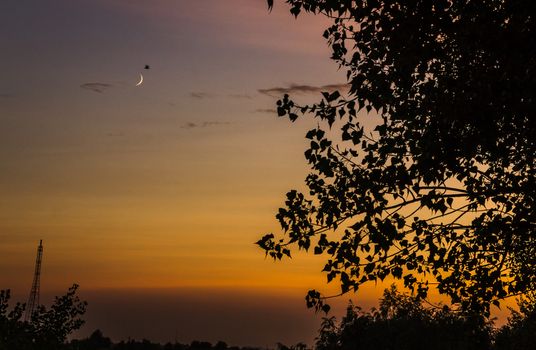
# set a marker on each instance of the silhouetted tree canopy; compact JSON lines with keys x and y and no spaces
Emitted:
{"x":47,"y":329}
{"x":441,"y":191}
{"x":520,"y":331}
{"x":401,"y":322}
{"x":96,"y":341}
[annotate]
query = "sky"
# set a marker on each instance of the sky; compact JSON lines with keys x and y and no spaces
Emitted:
{"x":151,"y":197}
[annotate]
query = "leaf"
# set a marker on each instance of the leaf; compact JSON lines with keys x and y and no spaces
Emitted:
{"x":369,"y":267}
{"x":333,"y":96}
{"x":310,"y":134}
{"x":295,"y":10}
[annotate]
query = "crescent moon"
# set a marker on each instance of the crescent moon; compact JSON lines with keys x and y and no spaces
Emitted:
{"x":141,"y":80}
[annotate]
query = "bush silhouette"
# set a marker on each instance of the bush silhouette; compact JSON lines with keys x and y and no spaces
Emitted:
{"x":48,"y":328}
{"x":402,"y":323}
{"x":520,"y":331}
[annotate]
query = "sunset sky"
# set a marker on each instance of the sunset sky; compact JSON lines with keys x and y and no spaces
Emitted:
{"x":151,"y":197}
{"x":163,"y":188}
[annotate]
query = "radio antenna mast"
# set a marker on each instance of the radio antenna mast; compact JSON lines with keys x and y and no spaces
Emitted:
{"x":33,"y":300}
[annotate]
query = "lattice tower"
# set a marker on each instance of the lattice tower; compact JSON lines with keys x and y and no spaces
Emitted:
{"x":33,"y":300}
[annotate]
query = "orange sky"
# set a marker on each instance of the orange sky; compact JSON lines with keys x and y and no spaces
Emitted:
{"x":166,"y":185}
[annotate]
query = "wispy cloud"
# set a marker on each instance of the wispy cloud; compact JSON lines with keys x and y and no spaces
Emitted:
{"x":301,"y":89}
{"x":115,"y":134}
{"x":96,"y":87}
{"x":266,"y":110}
{"x":192,"y":125}
{"x":201,"y":95}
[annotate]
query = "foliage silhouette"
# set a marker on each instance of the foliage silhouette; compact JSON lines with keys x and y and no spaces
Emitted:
{"x":520,"y":331}
{"x":47,"y":329}
{"x":298,"y":346}
{"x":441,"y":192}
{"x":96,"y":341}
{"x":144,"y":344}
{"x":402,"y":322}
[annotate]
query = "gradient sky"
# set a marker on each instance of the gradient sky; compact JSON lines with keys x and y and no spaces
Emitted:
{"x":151,"y":197}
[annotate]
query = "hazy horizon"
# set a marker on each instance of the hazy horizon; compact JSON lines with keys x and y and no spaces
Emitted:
{"x":253,"y":317}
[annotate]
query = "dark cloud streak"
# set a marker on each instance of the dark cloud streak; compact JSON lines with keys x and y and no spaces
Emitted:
{"x":192,"y":125}
{"x":201,"y":95}
{"x":301,"y":89}
{"x":266,"y":110}
{"x":96,"y":87}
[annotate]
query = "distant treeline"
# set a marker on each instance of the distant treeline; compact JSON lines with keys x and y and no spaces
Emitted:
{"x":401,"y":322}
{"x":97,"y":341}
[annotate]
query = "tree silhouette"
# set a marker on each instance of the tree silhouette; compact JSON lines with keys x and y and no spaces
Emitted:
{"x":96,"y":341}
{"x":441,"y":191}
{"x":47,"y":330}
{"x":13,"y":331}
{"x":402,"y":322}
{"x":520,"y":331}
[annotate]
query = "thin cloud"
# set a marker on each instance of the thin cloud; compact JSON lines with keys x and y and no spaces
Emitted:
{"x":6,"y":95}
{"x":301,"y":89}
{"x":201,"y":95}
{"x":115,"y":134}
{"x":191,"y":125}
{"x":96,"y":87}
{"x":266,"y":110}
